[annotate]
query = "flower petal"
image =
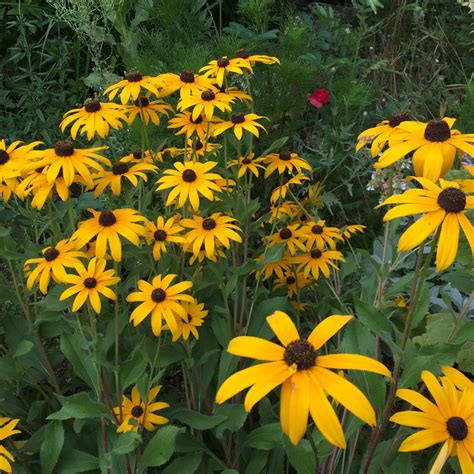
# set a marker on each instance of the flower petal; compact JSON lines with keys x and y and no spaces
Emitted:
{"x":256,"y":348}
{"x":327,"y":328}
{"x":283,"y":327}
{"x":352,"y":361}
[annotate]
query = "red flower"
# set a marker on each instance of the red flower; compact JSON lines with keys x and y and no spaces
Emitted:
{"x":319,"y":98}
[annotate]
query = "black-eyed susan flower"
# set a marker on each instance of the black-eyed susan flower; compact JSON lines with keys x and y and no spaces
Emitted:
{"x":196,"y":148}
{"x":132,"y":87}
{"x":200,"y":126}
{"x":278,"y":268}
{"x":292,"y":236}
{"x":237,"y":94}
{"x":283,"y":209}
{"x":94,"y":117}
{"x":448,"y":419}
{"x":141,"y":156}
{"x":305,"y":377}
{"x":443,"y":207}
{"x":434,"y":145}
{"x":148,"y":110}
{"x":194,"y":319}
{"x":219,"y":68}
{"x":119,"y":171}
{"x":320,"y":235}
{"x":285,"y":161}
{"x":89,"y":284}
{"x":206,"y":231}
{"x":201,"y":255}
{"x":348,"y":230}
{"x":256,"y":58}
{"x":458,"y":378}
{"x":7,"y":429}
{"x":206,"y":103}
{"x":162,"y":234}
{"x":186,"y":82}
{"x":281,"y":191}
{"x":137,"y":412}
{"x":52,"y":263}
{"x":189,"y":181}
{"x":238,"y":123}
{"x":316,"y":260}
{"x":162,"y":299}
{"x":293,"y":282}
{"x":248,"y":164}
{"x":107,"y":227}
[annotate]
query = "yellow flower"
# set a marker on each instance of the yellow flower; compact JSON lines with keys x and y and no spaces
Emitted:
{"x":443,"y":208}
{"x":280,"y":210}
{"x":205,"y":231}
{"x":278,"y":268}
{"x":457,"y":378}
{"x":89,"y":284}
{"x":256,"y":58}
{"x":120,"y":170}
{"x":206,"y":103}
{"x":189,"y":180}
{"x":220,"y":67}
{"x":317,"y":259}
{"x":196,"y":148}
{"x":305,"y":377}
{"x":348,"y":230}
{"x":147,"y":110}
{"x":434,"y":145}
{"x":142,"y":412}
{"x":131,"y":87}
{"x":293,"y":282}
{"x":318,"y":233}
{"x":94,"y":117}
{"x":108,"y":226}
{"x":161,"y":233}
{"x":142,"y":156}
{"x":292,"y":236}
{"x":195,"y":314}
{"x":52,"y":263}
{"x":449,"y":420}
{"x":162,"y":300}
{"x":200,"y":126}
{"x":239,"y":123}
{"x":201,"y":255}
{"x":248,"y":164}
{"x":281,"y":191}
{"x":7,"y":429}
{"x":400,"y":301}
{"x":187,"y":83}
{"x":285,"y":161}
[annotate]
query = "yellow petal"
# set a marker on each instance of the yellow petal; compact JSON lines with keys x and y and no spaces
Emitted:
{"x":420,"y":230}
{"x":423,"y":439}
{"x":299,"y":406}
{"x":283,"y":327}
{"x":448,"y":242}
{"x":441,"y":459}
{"x":327,"y":328}
{"x":256,"y":348}
{"x":352,"y":361}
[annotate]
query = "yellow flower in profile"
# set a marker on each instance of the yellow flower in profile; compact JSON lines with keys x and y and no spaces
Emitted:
{"x":285,"y":161}
{"x":7,"y":429}
{"x":443,"y":207}
{"x":239,"y":123}
{"x":280,"y":210}
{"x":89,"y":284}
{"x":195,"y":314}
{"x":206,"y":231}
{"x":94,"y":117}
{"x":147,"y":110}
{"x":188,"y":125}
{"x":162,"y":233}
{"x":304,"y":373}
{"x":221,"y":67}
{"x":188,"y":181}
{"x":52,"y":263}
{"x":162,"y":299}
{"x":434,"y":144}
{"x":201,"y":255}
{"x":142,"y":156}
{"x":187,"y":83}
{"x":449,"y":420}
{"x":108,"y":226}
{"x":206,"y":103}
{"x":281,"y":191}
{"x":316,"y":260}
{"x":292,"y":236}
{"x":121,"y":170}
{"x":348,"y":230}
{"x":132,"y":86}
{"x":293,"y":281}
{"x":318,"y":234}
{"x":248,"y":164}
{"x":256,"y":58}
{"x":136,"y":412}
{"x":383,"y":133}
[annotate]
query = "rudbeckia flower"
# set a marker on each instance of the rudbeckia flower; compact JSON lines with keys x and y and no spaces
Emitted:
{"x":197,"y":148}
{"x":89,"y":284}
{"x":162,"y":234}
{"x":199,"y":126}
{"x":256,"y":58}
{"x":205,"y":231}
{"x":305,"y":377}
{"x":142,"y":156}
{"x":162,"y":299}
{"x":142,"y":412}
{"x":189,"y":180}
{"x":448,"y":419}
{"x":7,"y":429}
{"x":195,"y":314}
{"x":285,"y":161}
{"x":278,"y":268}
{"x":281,"y":191}
{"x":318,"y":233}
{"x":434,"y":144}
{"x":239,"y":123}
{"x":247,"y":163}
{"x":316,"y":260}
{"x":201,"y":255}
{"x":221,"y":67}
{"x":293,"y":281}
{"x":108,"y":226}
{"x":187,"y":83}
{"x":94,"y":117}
{"x":131,"y":87}
{"x":348,"y":230}
{"x":292,"y":236}
{"x":206,"y":103}
{"x":147,"y":110}
{"x":444,"y":208}
{"x":279,"y":210}
{"x":52,"y":263}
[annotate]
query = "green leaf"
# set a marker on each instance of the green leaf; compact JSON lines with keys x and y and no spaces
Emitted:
{"x":276,"y":144}
{"x":372,"y":318}
{"x":125,"y":443}
{"x":258,"y":461}
{"x":273,"y":254}
{"x":465,"y":358}
{"x":132,"y":369}
{"x":301,"y":457}
{"x":460,"y":279}
{"x":198,"y":420}
{"x":23,"y":348}
{"x":235,"y":418}
{"x":438,"y":328}
{"x":51,"y":446}
{"x":79,"y":406}
{"x":74,"y":461}
{"x":265,"y":437}
{"x":161,"y":447}
{"x":187,"y":464}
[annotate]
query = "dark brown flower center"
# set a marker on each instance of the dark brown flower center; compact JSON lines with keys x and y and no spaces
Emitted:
{"x":197,"y":121}
{"x":137,"y":411}
{"x":301,"y":353}
{"x":189,"y":176}
{"x":208,"y":95}
{"x":51,"y":254}
{"x":119,"y":168}
{"x":4,"y":157}
{"x":457,"y":428}
{"x":187,"y":76}
{"x":142,"y":102}
{"x":285,"y":233}
{"x":107,"y":219}
{"x":137,"y":154}
{"x":396,"y":119}
{"x":246,"y":161}
{"x":285,"y":156}
{"x":75,"y":190}
{"x":237,"y":118}
{"x":90,"y":283}
{"x":133,"y":76}
{"x":92,"y":105}
{"x":199,"y":145}
{"x":223,"y":62}
{"x":303,"y":218}
{"x":158,"y":295}
{"x":63,"y":148}
{"x":242,"y":54}
{"x":291,"y":280}
{"x":437,"y":131}
{"x":317,"y":229}
{"x":160,"y":235}
{"x":316,"y":253}
{"x":208,"y":224}
{"x":452,"y":200}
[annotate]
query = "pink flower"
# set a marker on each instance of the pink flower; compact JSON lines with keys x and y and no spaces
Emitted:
{"x":319,"y":98}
